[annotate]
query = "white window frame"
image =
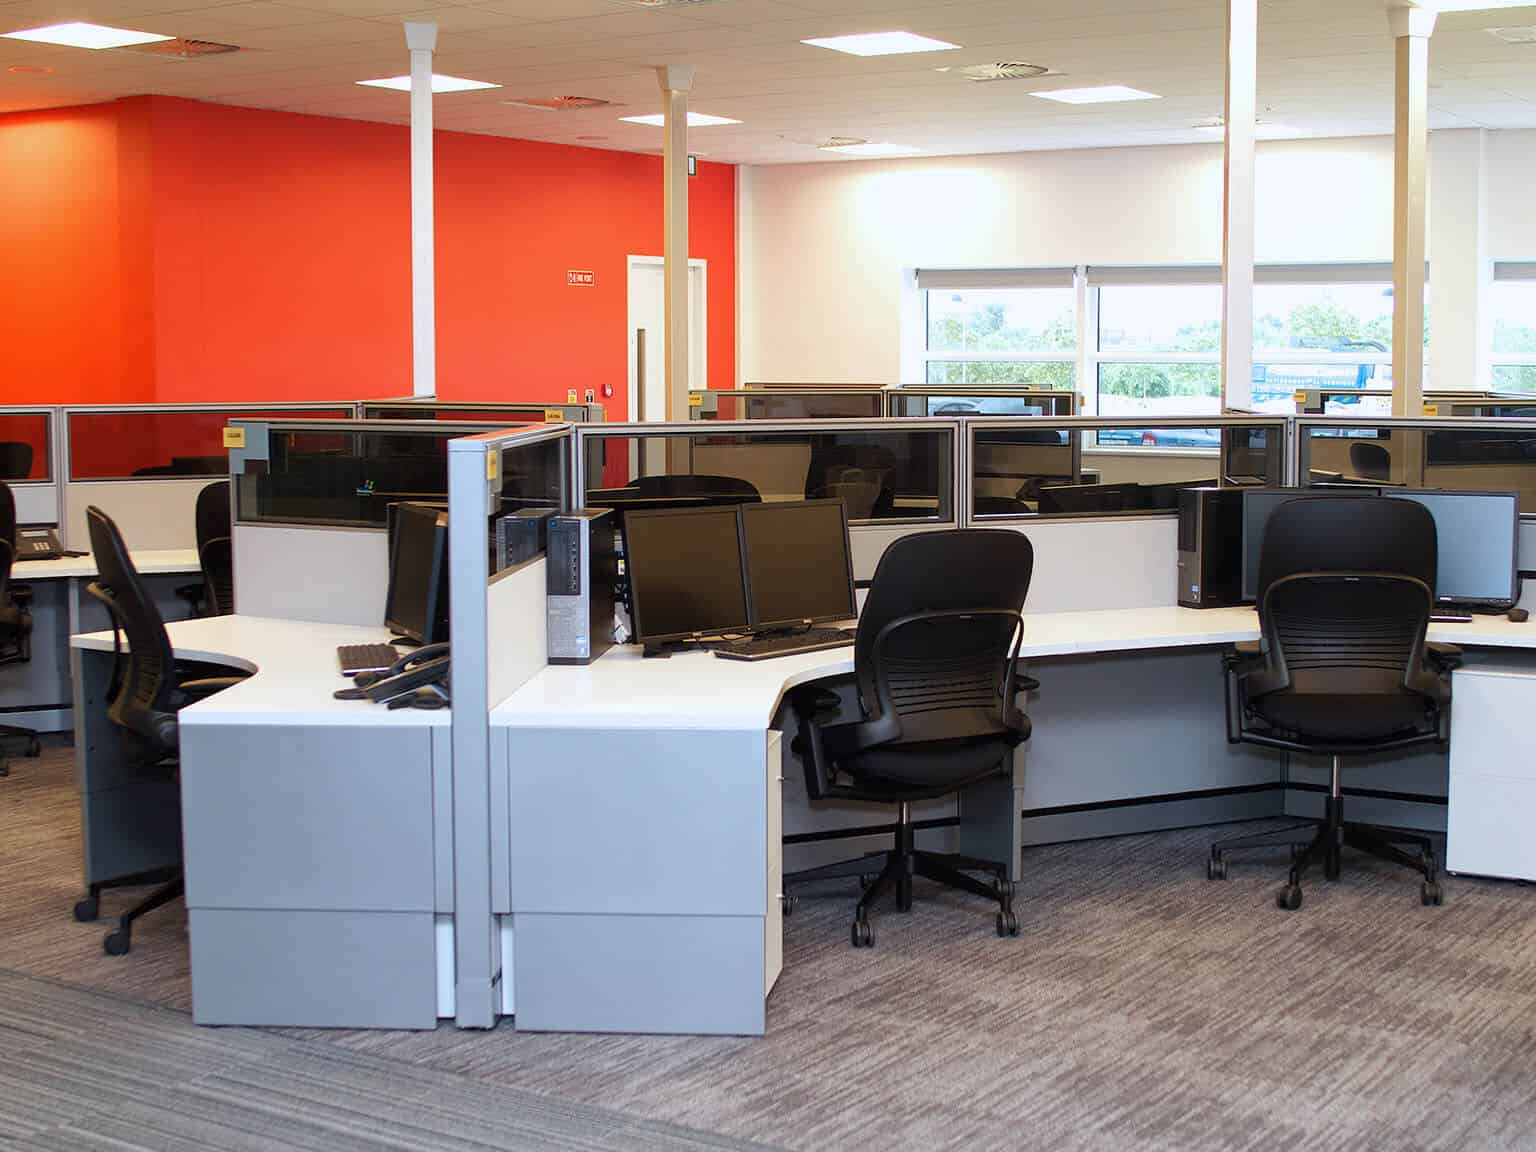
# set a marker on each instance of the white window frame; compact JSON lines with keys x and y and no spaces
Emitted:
{"x":973,"y":279}
{"x":1504,"y":271}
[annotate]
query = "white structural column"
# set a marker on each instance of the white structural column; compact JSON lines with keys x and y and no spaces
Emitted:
{"x":421,"y":39}
{"x":676,"y":82}
{"x":1411,"y":29}
{"x":1460,"y":268}
{"x":1238,"y":204}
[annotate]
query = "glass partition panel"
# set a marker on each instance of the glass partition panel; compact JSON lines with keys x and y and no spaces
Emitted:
{"x":498,"y":414}
{"x":882,"y":473}
{"x":1087,"y":467}
{"x":1423,"y":454}
{"x":26,"y":446}
{"x":533,"y":475}
{"x":164,"y":442}
{"x":296,"y":472}
{"x":784,"y":404}
{"x":983,"y":402}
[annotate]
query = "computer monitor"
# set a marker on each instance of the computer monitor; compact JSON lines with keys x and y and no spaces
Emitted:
{"x":798,"y":563}
{"x":417,"y":602}
{"x":1258,"y":504}
{"x":1086,"y":498}
{"x":685,"y":573}
{"x":1478,"y":535}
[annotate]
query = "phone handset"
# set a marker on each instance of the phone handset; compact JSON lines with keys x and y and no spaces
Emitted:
{"x":419,"y":679}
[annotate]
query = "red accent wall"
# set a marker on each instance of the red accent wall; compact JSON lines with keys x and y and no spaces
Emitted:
{"x":178,"y":251}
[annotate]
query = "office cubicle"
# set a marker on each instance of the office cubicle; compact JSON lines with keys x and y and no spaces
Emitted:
{"x":28,"y":454}
{"x":920,"y":400}
{"x":1378,"y":402}
{"x":144,"y":464}
{"x":896,"y":476}
{"x":785,"y":402}
{"x":498,"y":413}
{"x":1091,"y":466}
{"x":311,"y":505}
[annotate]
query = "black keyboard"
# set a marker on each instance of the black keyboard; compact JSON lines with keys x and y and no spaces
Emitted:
{"x":767,"y":647}
{"x":357,"y":658}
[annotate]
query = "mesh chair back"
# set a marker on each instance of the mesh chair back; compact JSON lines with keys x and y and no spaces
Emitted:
{"x":688,"y":484}
{"x":1370,"y":461}
{"x":15,"y":459}
{"x":215,"y":550}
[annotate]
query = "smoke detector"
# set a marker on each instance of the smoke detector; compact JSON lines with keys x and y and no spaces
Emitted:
{"x":182,"y":48}
{"x":1007,"y":70}
{"x":1522,"y":35}
{"x":559,"y":103}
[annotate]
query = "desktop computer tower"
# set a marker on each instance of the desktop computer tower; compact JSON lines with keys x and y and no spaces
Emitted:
{"x":583,"y":568}
{"x":521,"y":536}
{"x":1210,"y":547}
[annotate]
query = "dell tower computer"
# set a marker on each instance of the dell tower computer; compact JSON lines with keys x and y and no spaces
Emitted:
{"x":583,"y":568}
{"x":1210,"y":547}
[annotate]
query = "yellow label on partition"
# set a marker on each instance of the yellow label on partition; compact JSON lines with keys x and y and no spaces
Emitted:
{"x":492,"y":464}
{"x":234,"y":437}
{"x":570,"y":395}
{"x":554,"y":415}
{"x":1299,"y":396}
{"x":1431,"y":409}
{"x":695,"y":400}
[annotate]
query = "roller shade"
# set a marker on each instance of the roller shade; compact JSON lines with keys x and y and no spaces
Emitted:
{"x":963,"y":278}
{"x":1514,"y":270}
{"x":1113,"y":276}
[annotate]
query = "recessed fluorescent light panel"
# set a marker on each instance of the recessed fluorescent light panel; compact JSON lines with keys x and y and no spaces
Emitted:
{"x":439,"y":84}
{"x":871,"y":149}
{"x":1106,"y":94}
{"x":881,"y":43}
{"x":78,"y":35}
{"x":1475,"y":5}
{"x":695,"y":120}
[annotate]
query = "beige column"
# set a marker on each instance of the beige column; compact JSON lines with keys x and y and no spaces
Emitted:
{"x":676,"y":82}
{"x":1411,"y":29}
{"x":421,"y":39}
{"x":1238,"y":205}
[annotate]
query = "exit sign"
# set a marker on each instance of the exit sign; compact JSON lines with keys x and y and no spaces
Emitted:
{"x":581,"y":279}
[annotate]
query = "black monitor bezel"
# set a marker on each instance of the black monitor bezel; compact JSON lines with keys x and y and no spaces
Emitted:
{"x":636,"y":612}
{"x":437,"y":580}
{"x":1500,"y":603}
{"x":757,"y":625}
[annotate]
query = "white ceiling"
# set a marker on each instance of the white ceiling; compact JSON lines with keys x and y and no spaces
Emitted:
{"x":1325,"y":67}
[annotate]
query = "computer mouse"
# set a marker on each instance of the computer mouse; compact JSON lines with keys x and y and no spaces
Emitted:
{"x":1519,"y":615}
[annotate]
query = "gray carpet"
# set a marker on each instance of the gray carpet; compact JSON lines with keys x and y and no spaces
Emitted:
{"x":1142,"y":1008}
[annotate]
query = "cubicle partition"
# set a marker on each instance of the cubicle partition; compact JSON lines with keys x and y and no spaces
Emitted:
{"x":917,"y":400}
{"x":28,"y":444}
{"x":499,"y":643}
{"x":501,"y":414}
{"x":785,"y":403}
{"x":896,"y":476}
{"x":145,"y":464}
{"x":1378,"y":402}
{"x":311,"y":510}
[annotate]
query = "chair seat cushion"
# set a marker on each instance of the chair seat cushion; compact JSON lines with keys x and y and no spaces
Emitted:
{"x":1358,"y":717}
{"x":937,"y":766}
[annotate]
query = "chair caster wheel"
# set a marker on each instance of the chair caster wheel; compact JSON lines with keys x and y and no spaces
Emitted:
{"x":1216,"y":868}
{"x":1431,"y":894}
{"x":863,"y":935}
{"x":87,"y":910}
{"x":1289,"y":897}
{"x":116,"y":943}
{"x":1007,"y":924}
{"x":1006,"y":890}
{"x":789,"y":904}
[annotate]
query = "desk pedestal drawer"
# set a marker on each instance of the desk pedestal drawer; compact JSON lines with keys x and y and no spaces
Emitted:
{"x":313,"y":969}
{"x":1488,"y":830}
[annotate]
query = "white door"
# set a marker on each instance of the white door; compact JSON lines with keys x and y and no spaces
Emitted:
{"x":648,"y":335}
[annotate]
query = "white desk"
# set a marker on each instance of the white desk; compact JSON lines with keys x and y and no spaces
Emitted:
{"x":316,"y":833}
{"x":149,"y":562}
{"x":674,"y":767}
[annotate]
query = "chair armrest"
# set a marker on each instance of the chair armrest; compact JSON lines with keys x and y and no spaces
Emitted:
{"x":1243,"y":657}
{"x":1022,"y":682}
{"x":1445,"y":657}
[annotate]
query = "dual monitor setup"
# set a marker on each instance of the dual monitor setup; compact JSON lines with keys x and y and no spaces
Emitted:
{"x":1221,"y":536}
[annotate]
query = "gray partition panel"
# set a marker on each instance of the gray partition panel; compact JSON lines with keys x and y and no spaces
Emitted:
{"x":41,"y":684}
{"x":317,"y":818}
{"x":688,"y":974}
{"x":442,"y":818}
{"x":313,"y":969}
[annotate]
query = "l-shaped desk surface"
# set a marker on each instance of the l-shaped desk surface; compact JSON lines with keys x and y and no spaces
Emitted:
{"x":624,"y":689}
{"x":149,"y":562}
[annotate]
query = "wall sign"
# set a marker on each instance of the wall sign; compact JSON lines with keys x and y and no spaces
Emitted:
{"x":581,"y":279}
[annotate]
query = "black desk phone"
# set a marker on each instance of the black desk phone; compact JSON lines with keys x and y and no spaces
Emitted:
{"x":418,"y":679}
{"x":38,"y":544}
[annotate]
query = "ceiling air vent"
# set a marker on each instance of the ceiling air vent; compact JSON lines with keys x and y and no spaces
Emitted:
{"x":558,"y":103}
{"x":183,"y":49}
{"x":666,"y":3}
{"x":1008,"y":70}
{"x":842,"y":142}
{"x":1521,"y":35}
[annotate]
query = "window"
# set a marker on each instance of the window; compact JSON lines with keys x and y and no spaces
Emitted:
{"x":1000,"y":328}
{"x":1514,"y":327}
{"x":1158,"y":346}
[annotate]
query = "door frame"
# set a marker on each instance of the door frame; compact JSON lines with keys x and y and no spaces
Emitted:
{"x":698,"y":320}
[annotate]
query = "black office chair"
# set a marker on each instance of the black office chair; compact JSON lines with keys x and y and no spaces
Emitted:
{"x":1346,"y":585}
{"x":145,"y":699}
{"x":15,"y":626}
{"x":695,"y":484}
{"x":215,"y":596}
{"x":15,"y":460}
{"x":1370,"y":461}
{"x":934,"y":668}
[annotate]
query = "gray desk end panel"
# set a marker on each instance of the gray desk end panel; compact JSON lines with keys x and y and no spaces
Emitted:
{"x":661,"y":974}
{"x":442,"y":819}
{"x":313,"y":969}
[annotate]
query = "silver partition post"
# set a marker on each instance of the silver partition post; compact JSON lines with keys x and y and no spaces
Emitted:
{"x":468,"y":568}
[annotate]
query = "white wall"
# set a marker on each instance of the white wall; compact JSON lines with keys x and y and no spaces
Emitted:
{"x":824,"y":245}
